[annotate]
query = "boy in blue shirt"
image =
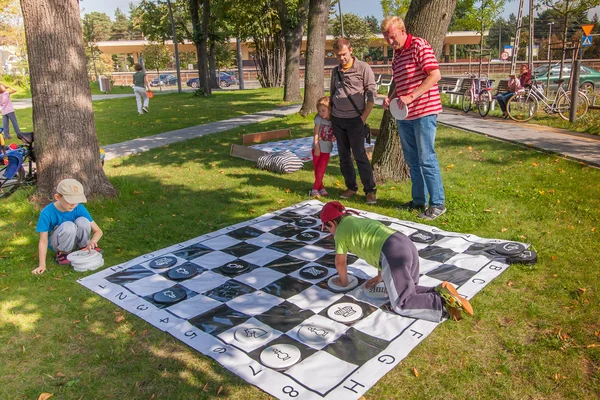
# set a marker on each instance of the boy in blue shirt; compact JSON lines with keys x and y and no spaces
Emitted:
{"x":67,"y":223}
{"x":396,"y":258}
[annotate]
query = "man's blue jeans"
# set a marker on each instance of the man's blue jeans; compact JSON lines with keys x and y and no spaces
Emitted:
{"x":417,"y":137}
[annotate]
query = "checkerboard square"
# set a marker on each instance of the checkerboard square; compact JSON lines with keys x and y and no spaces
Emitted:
{"x":206,"y":281}
{"x":337,"y":370}
{"x":471,"y":262}
{"x":265,"y":240}
{"x":436,"y":253}
{"x":305,"y":351}
{"x":148,"y":285}
{"x":250,"y":325}
{"x":309,"y":252}
{"x":241,"y":249}
{"x":286,"y":264}
{"x":356,"y":347}
{"x":245,"y":233}
{"x":457,"y":244}
{"x":315,"y":298}
{"x":259,"y":277}
{"x":286,"y":287}
{"x":452,"y":274}
{"x":268,"y":225}
{"x":286,"y":246}
{"x":194,"y":306}
{"x":129,"y":275}
{"x":284,"y":316}
{"x":287,"y":231}
{"x":335,"y":330}
{"x":262,"y":256}
{"x":193,"y":251}
{"x":220,"y":242}
{"x":229,"y":290}
{"x":218,"y":320}
{"x":213,"y":260}
{"x":386,"y":325}
{"x":254,"y":303}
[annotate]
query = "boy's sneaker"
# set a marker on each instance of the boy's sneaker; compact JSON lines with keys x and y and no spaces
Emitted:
{"x":347,"y":194}
{"x":432,"y":213}
{"x":61,"y":259}
{"x":410,"y":206}
{"x":323,"y":193}
{"x":145,"y":109}
{"x":371,"y":198}
{"x":314,"y":193}
{"x":453,"y":302}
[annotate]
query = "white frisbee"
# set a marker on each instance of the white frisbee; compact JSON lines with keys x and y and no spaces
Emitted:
{"x":397,"y":112}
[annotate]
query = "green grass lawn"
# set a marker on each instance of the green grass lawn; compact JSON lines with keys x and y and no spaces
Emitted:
{"x":590,"y":123}
{"x":117,"y":120}
{"x":535,"y":333}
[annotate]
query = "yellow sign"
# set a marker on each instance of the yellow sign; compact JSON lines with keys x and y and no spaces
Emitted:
{"x":587,"y":29}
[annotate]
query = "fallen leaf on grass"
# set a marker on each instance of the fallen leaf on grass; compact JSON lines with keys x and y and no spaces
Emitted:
{"x":592,"y":345}
{"x":76,"y":321}
{"x":136,"y":192}
{"x":60,"y":375}
{"x":503,"y":229}
{"x":416,"y":372}
{"x":204,"y":388}
{"x":449,"y":167}
{"x":220,"y":390}
{"x":581,"y":289}
{"x":45,"y":396}
{"x":509,"y":283}
{"x":488,"y":211}
{"x":120,"y":318}
{"x":553,"y":258}
{"x":288,"y":191}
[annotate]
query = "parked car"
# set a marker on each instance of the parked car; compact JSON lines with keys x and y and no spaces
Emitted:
{"x":225,"y":80}
{"x":164,"y":80}
{"x":589,"y":78}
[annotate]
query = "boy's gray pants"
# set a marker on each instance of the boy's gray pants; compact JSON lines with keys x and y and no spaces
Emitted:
{"x":70,"y":234}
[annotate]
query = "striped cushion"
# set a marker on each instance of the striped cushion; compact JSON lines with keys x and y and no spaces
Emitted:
{"x":283,"y":162}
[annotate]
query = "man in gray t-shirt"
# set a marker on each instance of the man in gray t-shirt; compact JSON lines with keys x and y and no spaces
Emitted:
{"x":352,"y":79}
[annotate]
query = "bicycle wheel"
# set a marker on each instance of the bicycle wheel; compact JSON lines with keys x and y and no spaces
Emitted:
{"x":8,"y":186}
{"x":564,"y":105}
{"x":466,"y":101}
{"x":484,"y":102}
{"x":521,"y":107}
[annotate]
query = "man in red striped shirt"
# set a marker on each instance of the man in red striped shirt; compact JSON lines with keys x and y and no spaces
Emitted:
{"x":416,"y":73}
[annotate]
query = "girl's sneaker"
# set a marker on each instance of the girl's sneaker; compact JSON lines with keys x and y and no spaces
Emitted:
{"x":323,"y":193}
{"x":314,"y":193}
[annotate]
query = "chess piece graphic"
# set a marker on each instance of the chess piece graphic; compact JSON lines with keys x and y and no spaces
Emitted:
{"x":283,"y":356}
{"x":255,"y":332}
{"x":318,"y":331}
{"x":345,"y":311}
{"x":169,"y":293}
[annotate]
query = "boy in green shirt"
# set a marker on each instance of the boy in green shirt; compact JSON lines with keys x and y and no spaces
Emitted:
{"x":397,"y":259}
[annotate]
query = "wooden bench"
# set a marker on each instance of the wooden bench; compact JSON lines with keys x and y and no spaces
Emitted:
{"x":448,"y":84}
{"x":262,"y":136}
{"x":501,"y":88}
{"x":459,"y":90}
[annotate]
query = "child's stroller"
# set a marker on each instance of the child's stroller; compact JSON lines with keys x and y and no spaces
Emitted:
{"x":13,"y":176}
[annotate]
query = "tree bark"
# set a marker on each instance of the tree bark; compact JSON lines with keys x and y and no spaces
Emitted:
{"x":214,"y":82}
{"x":197,"y":34}
{"x":203,"y":58}
{"x":293,"y":28}
{"x":65,"y":134}
{"x":428,"y":19}
{"x":314,"y":71}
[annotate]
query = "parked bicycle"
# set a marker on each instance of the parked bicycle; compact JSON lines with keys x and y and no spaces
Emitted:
{"x":479,"y":94}
{"x":20,"y":170}
{"x":521,"y":107}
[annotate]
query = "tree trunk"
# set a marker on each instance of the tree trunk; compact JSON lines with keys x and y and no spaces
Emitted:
{"x":197,"y":35}
{"x":214,"y":82}
{"x":314,"y":71}
{"x":293,"y":28}
{"x":202,"y":58}
{"x":65,"y":134}
{"x":428,"y":19}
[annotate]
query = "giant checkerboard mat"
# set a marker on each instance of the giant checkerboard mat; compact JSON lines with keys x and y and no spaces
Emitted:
{"x":233,"y":318}
{"x":301,"y":147}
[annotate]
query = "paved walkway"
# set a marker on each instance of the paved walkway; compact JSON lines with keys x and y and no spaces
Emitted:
{"x":150,"y":142}
{"x":578,"y":146}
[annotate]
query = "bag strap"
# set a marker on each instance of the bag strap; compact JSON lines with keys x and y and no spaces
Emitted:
{"x":345,"y":91}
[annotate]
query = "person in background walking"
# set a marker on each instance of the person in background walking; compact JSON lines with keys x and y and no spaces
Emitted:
{"x":140,"y":88}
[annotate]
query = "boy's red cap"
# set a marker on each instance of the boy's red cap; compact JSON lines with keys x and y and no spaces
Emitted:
{"x":331,"y":211}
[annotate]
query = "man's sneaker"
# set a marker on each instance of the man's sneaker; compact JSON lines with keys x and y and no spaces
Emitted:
{"x":432,"y":213}
{"x":314,"y":193}
{"x":371,"y":198}
{"x":61,"y":258}
{"x":453,"y":302}
{"x":347,"y":194}
{"x":323,"y":193}
{"x":410,"y":206}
